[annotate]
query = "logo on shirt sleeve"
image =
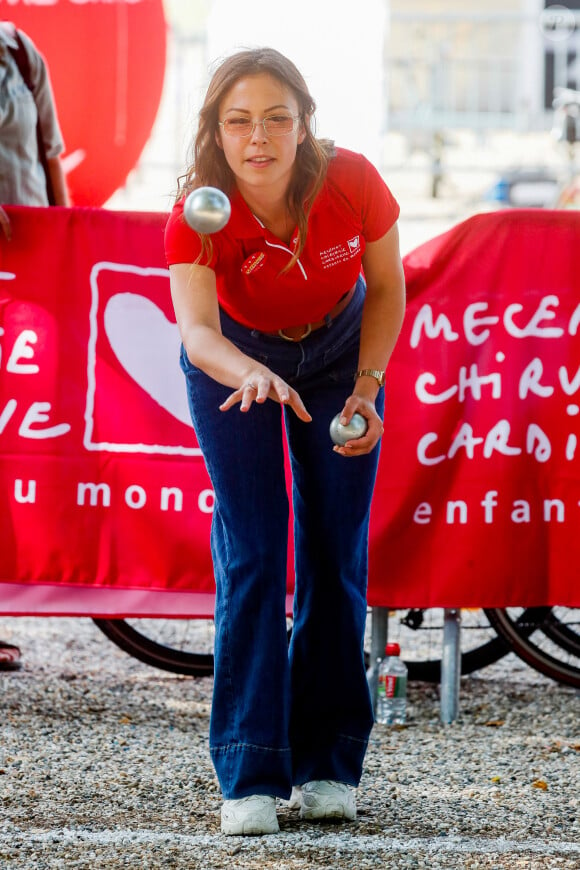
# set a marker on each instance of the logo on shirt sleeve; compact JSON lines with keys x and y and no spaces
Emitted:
{"x":340,"y":253}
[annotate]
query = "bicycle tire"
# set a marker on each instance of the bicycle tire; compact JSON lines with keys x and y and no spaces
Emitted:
{"x":564,"y":632}
{"x":138,"y":639}
{"x":536,"y":647}
{"x":428,"y":670}
{"x":486,"y":651}
{"x":152,"y":652}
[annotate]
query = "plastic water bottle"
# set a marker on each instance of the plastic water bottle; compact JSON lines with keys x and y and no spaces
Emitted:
{"x":392,"y":688}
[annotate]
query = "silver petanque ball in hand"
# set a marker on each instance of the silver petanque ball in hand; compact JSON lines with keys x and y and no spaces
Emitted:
{"x":341,"y":434}
{"x":207,"y":210}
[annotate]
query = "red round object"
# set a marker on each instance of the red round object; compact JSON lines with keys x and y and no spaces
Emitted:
{"x":393,"y":649}
{"x":106,"y":63}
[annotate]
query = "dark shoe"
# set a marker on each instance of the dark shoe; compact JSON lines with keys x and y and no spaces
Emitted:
{"x":10,"y":657}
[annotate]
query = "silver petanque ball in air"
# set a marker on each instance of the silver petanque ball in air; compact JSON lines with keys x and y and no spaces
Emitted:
{"x":341,"y":434}
{"x":207,"y":210}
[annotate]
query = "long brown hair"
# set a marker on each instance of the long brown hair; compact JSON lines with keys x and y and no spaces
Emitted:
{"x":209,"y":165}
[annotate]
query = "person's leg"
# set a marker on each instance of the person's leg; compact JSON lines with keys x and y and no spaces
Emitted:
{"x":249,"y":723}
{"x":331,"y":716}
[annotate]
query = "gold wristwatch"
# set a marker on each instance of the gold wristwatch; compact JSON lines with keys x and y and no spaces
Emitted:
{"x":372,"y":373}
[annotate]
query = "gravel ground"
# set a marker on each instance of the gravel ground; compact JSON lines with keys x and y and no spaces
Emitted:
{"x":104,"y":764}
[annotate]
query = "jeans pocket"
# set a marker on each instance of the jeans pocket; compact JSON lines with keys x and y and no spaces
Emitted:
{"x":340,"y":360}
{"x":262,"y":358}
{"x":252,"y":349}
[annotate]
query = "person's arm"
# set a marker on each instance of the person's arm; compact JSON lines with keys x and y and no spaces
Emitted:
{"x":58,"y":180}
{"x":194,"y":295}
{"x":39,"y":81}
{"x":382,"y":318}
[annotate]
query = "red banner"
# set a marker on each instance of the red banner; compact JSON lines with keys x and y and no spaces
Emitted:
{"x":478,"y":497}
{"x":105,"y":504}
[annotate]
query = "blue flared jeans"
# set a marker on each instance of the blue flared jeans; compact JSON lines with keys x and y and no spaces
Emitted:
{"x":287,"y":714}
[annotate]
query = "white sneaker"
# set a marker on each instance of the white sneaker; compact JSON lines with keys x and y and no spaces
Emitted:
{"x":294,"y":802}
{"x":327,"y":799}
{"x":255,"y":814}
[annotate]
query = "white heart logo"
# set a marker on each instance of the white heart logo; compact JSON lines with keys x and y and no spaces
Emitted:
{"x":147,"y":345}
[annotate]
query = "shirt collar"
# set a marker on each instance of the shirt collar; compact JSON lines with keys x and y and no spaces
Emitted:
{"x":245,"y":225}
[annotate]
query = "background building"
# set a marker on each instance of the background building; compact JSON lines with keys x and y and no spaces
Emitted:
{"x":459,"y":94}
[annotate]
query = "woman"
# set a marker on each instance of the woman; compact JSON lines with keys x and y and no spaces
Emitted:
{"x":273,"y":311}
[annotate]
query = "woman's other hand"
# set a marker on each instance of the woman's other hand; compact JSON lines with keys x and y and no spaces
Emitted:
{"x":368,"y":441}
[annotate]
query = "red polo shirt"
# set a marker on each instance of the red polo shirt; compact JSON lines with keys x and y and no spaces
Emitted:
{"x":353,"y":207}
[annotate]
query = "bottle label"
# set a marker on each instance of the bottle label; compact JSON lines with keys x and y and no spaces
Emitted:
{"x":392,"y":686}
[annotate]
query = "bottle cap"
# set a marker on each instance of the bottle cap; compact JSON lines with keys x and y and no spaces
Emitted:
{"x":393,"y":649}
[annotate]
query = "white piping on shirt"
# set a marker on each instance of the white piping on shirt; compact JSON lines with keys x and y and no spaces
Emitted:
{"x":282,"y":248}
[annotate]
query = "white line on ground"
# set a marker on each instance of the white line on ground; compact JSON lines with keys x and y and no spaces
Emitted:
{"x":280,"y":842}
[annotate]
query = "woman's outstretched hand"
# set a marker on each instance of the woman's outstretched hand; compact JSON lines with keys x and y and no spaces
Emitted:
{"x":260,"y":386}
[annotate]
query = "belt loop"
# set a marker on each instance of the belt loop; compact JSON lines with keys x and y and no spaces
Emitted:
{"x":255,"y":333}
{"x":328,"y":320}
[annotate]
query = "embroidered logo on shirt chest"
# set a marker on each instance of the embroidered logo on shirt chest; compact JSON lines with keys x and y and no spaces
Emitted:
{"x":253,"y":263}
{"x":340,"y":253}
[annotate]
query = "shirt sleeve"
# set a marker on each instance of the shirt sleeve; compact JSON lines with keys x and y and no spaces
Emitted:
{"x":182,"y":244}
{"x":379,"y":208}
{"x":44,"y":99}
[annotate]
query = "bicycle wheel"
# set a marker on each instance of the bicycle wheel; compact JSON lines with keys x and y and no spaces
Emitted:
{"x":545,"y":638}
{"x":562,"y":625}
{"x":420,"y":636}
{"x":167,"y":644}
{"x":182,"y":646}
